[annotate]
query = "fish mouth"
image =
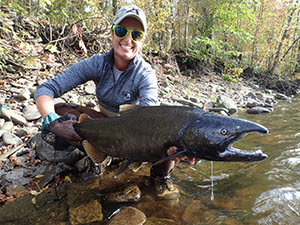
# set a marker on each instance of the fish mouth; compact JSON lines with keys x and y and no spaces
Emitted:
{"x":231,"y":154}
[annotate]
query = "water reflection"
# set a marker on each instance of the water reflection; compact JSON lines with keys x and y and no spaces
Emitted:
{"x":282,"y":205}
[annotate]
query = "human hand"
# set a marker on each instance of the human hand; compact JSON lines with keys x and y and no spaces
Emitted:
{"x":63,"y":129}
{"x":173,"y":149}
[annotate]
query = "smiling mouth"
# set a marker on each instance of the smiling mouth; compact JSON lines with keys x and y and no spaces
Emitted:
{"x":127,"y":47}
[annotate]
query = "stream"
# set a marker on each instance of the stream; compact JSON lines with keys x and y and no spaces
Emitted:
{"x":266,"y":192}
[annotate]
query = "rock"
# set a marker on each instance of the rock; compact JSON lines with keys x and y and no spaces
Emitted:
{"x":11,"y":139}
{"x":13,"y":116}
{"x":251,"y":95}
{"x":186,"y":102}
{"x":46,"y":152}
{"x":163,"y":221}
{"x":195,"y":213}
{"x":226,"y":102}
{"x":90,"y":88}
{"x":7,"y":126}
{"x":15,"y":189}
{"x":260,"y":96}
{"x":219,"y":110}
{"x":86,"y":213}
{"x":253,"y":103}
{"x":130,"y":193}
{"x":31,"y":113}
{"x":258,"y":110}
{"x":83,"y":164}
{"x":24,"y":94}
{"x":26,"y":131}
{"x":280,"y":96}
{"x":2,"y":121}
{"x":16,"y":177}
{"x":127,"y":215}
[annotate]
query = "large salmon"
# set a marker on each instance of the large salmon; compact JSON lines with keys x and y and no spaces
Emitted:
{"x":145,"y":134}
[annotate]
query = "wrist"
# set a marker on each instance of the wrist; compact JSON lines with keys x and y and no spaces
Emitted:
{"x":49,"y":119}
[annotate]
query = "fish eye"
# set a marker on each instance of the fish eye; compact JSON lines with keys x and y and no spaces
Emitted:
{"x":224,"y":131}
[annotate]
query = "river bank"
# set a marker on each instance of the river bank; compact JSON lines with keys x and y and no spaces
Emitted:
{"x":27,"y":163}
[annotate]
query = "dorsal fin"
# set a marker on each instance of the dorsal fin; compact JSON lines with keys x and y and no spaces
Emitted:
{"x":83,"y":117}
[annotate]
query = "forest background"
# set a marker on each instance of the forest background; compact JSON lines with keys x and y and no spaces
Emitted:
{"x":231,"y":37}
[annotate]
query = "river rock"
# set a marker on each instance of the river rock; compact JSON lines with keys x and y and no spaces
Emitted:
{"x":226,"y":102}
{"x":16,"y":177}
{"x":12,"y":115}
{"x":195,"y":213}
{"x":87,"y":213}
{"x":7,"y":126}
{"x":130,"y":193}
{"x":251,"y":103}
{"x":258,"y":110}
{"x":251,"y":95}
{"x":90,"y":88}
{"x":31,"y":113}
{"x":280,"y":96}
{"x":15,"y":189}
{"x":2,"y":121}
{"x":24,"y":94}
{"x":163,"y":221}
{"x":26,"y":131}
{"x":127,"y":215}
{"x":11,"y":139}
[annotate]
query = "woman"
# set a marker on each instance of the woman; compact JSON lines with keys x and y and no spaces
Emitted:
{"x":121,"y":77}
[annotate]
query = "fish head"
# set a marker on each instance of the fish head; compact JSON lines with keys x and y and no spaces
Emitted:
{"x":211,"y":137}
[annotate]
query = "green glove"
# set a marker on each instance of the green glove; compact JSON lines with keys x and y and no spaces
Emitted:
{"x":49,"y":118}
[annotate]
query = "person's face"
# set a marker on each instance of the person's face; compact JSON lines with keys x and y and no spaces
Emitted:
{"x":125,"y":49}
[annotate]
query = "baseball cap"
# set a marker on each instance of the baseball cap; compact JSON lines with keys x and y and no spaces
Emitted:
{"x":131,"y":11}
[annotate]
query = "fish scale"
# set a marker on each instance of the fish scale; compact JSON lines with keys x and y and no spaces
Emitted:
{"x":145,"y":134}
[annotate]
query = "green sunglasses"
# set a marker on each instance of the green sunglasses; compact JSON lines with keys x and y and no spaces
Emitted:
{"x":121,"y":32}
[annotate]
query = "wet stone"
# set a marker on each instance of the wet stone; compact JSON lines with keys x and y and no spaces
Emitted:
{"x":258,"y":110}
{"x":15,"y":189}
{"x":164,"y":221}
{"x":86,"y":213}
{"x":130,"y":193}
{"x":127,"y":215}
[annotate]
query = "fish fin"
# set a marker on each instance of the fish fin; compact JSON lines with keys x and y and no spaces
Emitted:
{"x":169,"y":157}
{"x":96,"y":156}
{"x":124,"y":165}
{"x":135,"y":166}
{"x":83,"y":117}
{"x":128,"y":107}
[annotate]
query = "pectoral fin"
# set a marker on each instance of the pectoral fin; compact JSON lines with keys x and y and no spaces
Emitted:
{"x":124,"y":165}
{"x":169,"y":157}
{"x":97,"y":156}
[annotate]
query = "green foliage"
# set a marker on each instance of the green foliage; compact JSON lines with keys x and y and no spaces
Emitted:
{"x":205,"y":29}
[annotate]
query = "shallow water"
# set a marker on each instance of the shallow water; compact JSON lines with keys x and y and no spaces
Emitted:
{"x":266,"y":192}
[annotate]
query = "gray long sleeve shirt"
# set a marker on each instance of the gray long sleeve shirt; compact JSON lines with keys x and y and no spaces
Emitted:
{"x":136,"y":85}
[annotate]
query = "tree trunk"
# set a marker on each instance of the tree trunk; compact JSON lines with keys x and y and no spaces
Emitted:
{"x":186,"y":28}
{"x":284,"y":36}
{"x":254,"y":45}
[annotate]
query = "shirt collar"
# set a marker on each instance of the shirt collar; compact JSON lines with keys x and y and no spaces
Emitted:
{"x":110,"y":59}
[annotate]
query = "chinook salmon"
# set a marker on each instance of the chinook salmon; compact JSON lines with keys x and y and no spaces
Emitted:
{"x":145,"y":134}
